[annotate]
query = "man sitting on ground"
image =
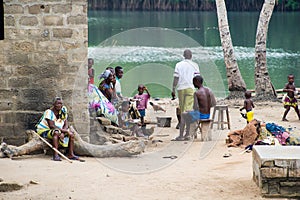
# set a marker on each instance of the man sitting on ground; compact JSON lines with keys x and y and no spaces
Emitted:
{"x":54,"y":125}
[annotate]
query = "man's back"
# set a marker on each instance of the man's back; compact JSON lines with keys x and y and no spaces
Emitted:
{"x":186,"y":70}
{"x":203,"y":100}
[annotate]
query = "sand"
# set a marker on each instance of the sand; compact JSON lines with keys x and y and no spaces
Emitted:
{"x":198,"y":170}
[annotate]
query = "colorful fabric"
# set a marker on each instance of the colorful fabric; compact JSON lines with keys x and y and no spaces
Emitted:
{"x":186,"y":70}
{"x":44,"y":130}
{"x":288,"y":101}
{"x":196,"y":115}
{"x":186,"y":99}
{"x":59,"y":122}
{"x":142,"y":100}
{"x":101,"y":104}
{"x":250,"y":116}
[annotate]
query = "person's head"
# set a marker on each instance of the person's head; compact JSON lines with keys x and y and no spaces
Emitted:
{"x":291,"y":78}
{"x":57,"y":103}
{"x":113,"y":73}
{"x":187,"y":54}
{"x":141,"y":88}
{"x":90,"y":62}
{"x":125,"y":106}
{"x":198,"y":81}
{"x":248,"y":94}
{"x":119,"y":72}
{"x":111,"y":69}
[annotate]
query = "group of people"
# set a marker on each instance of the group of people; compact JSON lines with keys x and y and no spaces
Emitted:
{"x":110,"y":88}
{"x":193,"y":104}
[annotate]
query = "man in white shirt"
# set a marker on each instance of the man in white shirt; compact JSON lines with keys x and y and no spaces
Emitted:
{"x":119,"y":75}
{"x":184,"y":73}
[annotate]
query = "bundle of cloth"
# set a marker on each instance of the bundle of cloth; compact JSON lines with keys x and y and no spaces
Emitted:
{"x":101,"y":105}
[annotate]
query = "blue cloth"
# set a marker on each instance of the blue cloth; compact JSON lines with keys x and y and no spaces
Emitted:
{"x":142,"y":112}
{"x":196,"y":115}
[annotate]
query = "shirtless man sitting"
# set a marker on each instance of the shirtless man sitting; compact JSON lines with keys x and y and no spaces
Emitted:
{"x":202,"y":105}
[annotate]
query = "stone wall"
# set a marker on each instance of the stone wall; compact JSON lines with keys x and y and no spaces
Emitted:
{"x":276,"y":170}
{"x":43,"y":55}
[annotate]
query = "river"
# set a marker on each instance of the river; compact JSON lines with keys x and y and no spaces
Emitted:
{"x":148,"y":45}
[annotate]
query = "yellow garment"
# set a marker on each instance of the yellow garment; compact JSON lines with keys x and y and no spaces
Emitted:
{"x":250,"y":116}
{"x":186,"y":99}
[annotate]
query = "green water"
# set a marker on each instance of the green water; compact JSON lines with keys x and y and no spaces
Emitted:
{"x":148,"y":45}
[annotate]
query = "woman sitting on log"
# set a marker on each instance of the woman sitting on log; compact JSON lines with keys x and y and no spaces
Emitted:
{"x":54,"y":125}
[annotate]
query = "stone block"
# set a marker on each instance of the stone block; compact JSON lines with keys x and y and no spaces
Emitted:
{"x":53,"y":20}
{"x":68,"y":45}
{"x":276,"y":170}
{"x":290,"y":191}
{"x":273,"y":188}
{"x":38,"y":8}
{"x":273,"y":172}
{"x":62,"y":8}
{"x":111,"y":129}
{"x":62,"y":33}
{"x":24,"y":46}
{"x":104,"y":121}
{"x":19,"y":82}
{"x":22,"y":59}
{"x":10,"y":21}
{"x":6,"y":105}
{"x":29,"y":21}
{"x":13,"y":9}
{"x":295,"y":173}
{"x":25,"y":70}
{"x":79,"y":19}
{"x":290,"y":163}
{"x":268,"y":163}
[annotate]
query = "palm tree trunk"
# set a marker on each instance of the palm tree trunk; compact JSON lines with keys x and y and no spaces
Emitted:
{"x":236,"y":84}
{"x":263,"y":86}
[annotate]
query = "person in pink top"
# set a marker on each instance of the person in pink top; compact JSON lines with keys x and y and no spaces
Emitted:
{"x":141,"y":101}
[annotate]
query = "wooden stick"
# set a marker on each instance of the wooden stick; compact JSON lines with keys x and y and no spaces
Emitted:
{"x":54,"y":149}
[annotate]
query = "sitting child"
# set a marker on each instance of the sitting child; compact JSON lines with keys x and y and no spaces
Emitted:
{"x":126,"y":122}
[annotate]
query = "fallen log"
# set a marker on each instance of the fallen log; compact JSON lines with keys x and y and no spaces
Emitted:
{"x":82,"y":148}
{"x":125,"y":149}
{"x":33,"y":144}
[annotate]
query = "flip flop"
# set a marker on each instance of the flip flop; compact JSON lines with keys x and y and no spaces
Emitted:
{"x":188,"y":138}
{"x":56,"y":158}
{"x":77,"y":158}
{"x":178,"y":139}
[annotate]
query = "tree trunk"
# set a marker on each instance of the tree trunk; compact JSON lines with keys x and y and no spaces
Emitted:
{"x":124,"y":149}
{"x":264,"y":89}
{"x":236,"y":84}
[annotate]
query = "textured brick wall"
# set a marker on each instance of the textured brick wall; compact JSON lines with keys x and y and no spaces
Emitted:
{"x":43,"y":55}
{"x":276,"y":170}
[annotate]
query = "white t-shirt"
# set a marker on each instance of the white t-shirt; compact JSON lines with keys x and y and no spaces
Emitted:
{"x":186,"y":70}
{"x":118,"y":86}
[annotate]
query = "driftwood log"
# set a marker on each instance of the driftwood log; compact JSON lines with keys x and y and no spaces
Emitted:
{"x":82,"y":148}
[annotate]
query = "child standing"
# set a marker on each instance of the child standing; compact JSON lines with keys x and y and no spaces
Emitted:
{"x":141,"y":101}
{"x":289,"y":99}
{"x":91,"y":71}
{"x":248,"y":106}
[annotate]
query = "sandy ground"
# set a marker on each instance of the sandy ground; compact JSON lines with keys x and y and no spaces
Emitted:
{"x":199,"y":172}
